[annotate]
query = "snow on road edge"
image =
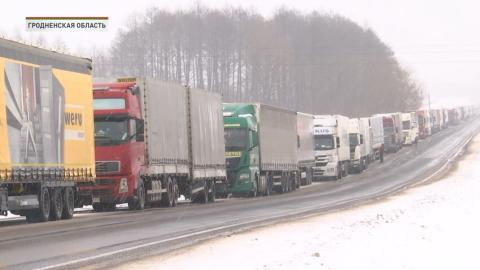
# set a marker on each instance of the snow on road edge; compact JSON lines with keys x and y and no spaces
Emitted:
{"x":430,"y":226}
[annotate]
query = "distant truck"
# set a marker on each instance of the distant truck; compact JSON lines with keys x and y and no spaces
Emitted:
{"x":155,"y":141}
{"x":410,"y":128}
{"x":359,"y":135}
{"x":377,"y":137}
{"x":392,"y":131}
{"x":306,"y":147}
{"x":332,"y":146}
{"x":46,"y":131}
{"x":436,"y":118}
{"x":260,"y":149}
{"x":453,"y":117}
{"x":424,"y":123}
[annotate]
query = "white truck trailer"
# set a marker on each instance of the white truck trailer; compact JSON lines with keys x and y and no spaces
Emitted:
{"x":377,"y":137}
{"x":306,"y":147}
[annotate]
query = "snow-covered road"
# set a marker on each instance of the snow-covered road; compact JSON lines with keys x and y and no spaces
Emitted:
{"x":432,"y":226}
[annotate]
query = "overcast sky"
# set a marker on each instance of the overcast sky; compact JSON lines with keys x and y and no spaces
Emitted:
{"x":437,"y":40}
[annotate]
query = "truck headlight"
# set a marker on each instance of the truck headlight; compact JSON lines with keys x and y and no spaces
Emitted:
{"x":123,"y":186}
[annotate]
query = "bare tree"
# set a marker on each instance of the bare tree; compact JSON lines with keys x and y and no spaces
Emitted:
{"x":306,"y":62}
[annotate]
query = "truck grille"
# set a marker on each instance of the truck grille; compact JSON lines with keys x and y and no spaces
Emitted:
{"x":232,"y":163}
{"x":321,"y":161}
{"x":102,"y":192}
{"x":231,"y":178}
{"x":107,"y":166}
{"x":102,"y":181}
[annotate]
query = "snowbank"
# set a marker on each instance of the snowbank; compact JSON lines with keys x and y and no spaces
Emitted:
{"x":433,"y":226}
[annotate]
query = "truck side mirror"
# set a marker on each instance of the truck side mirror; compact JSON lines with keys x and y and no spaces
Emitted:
{"x":338,"y":142}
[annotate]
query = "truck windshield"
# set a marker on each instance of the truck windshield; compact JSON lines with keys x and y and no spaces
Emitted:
{"x":324,"y":142}
{"x":235,"y":139}
{"x":353,"y":139}
{"x":111,"y":131}
{"x":406,"y":125}
{"x":108,"y":103}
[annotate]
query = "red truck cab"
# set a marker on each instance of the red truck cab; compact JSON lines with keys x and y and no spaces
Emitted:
{"x":119,"y":145}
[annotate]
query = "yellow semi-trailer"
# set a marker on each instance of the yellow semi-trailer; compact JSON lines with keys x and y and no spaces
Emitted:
{"x":46,"y":131}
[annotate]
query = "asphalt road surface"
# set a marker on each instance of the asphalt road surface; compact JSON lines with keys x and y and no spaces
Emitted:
{"x":103,"y":240}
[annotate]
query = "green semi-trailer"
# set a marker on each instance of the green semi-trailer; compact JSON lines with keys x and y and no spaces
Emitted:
{"x":260,"y":149}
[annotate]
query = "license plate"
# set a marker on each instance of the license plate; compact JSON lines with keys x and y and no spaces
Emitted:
{"x":95,"y":200}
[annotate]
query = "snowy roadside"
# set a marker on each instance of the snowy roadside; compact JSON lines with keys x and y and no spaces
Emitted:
{"x":433,"y":226}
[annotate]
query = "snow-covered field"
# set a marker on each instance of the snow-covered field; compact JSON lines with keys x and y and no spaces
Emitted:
{"x":434,"y":226}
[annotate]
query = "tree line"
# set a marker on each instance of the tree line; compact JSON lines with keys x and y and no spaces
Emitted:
{"x":315,"y":63}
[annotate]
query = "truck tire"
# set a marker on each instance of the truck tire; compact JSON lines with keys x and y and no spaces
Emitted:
{"x":202,"y":196}
{"x":283,"y":184}
{"x":167,"y":197}
{"x":345,"y":169}
{"x":339,"y":172}
{"x":31,"y":216}
{"x":268,"y":188}
{"x":138,"y":202}
{"x":253,"y":192}
{"x":211,"y":194}
{"x":109,"y":207}
{"x":57,"y":204}
{"x":43,"y":212}
{"x":175,"y":193}
{"x":97,"y":207}
{"x":68,"y":203}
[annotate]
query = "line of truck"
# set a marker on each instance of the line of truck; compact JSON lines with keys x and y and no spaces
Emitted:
{"x":69,"y":140}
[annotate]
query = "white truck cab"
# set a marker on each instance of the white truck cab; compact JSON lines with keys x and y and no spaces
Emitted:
{"x":332,"y":146}
{"x":410,"y":128}
{"x":359,"y":136}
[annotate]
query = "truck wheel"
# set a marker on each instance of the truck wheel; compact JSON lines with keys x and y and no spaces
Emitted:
{"x":97,"y":207}
{"x":253,"y":192}
{"x":138,"y":202}
{"x":167,"y":197}
{"x":202,"y":196}
{"x":110,"y":207}
{"x":68,"y":203}
{"x":283,"y":185}
{"x":268,"y":185}
{"x":43,"y":213}
{"x":175,"y":193}
{"x":339,"y":172}
{"x":31,"y":216}
{"x":345,"y":170}
{"x":211,"y":194}
{"x":57,"y":204}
